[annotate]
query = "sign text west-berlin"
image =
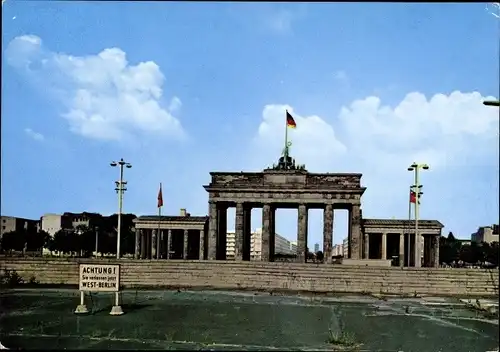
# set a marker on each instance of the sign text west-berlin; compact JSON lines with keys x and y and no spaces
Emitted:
{"x":99,"y":277}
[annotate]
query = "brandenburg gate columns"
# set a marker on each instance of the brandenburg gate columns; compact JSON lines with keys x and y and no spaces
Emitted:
{"x":272,"y":233}
{"x":266,"y":232}
{"x":355,"y":229}
{"x":143,"y":244}
{"x":327,"y":233}
{"x":137,"y":243}
{"x":302,"y":234}
{"x":238,"y":232}
{"x":202,"y":245}
{"x":212,"y":231}
{"x":153,"y":244}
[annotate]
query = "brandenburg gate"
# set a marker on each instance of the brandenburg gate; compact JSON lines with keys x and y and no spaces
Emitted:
{"x":282,"y":186}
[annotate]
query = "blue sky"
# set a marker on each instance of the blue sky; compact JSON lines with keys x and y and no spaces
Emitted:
{"x":182,"y":89}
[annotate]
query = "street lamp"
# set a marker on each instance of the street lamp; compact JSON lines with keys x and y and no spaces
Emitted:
{"x":416,"y":188}
{"x":96,"y":239}
{"x":120,"y":189}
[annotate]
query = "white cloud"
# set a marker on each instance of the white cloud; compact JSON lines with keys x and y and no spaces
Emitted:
{"x":175,"y":104}
{"x":35,"y":135}
{"x":105,"y":97}
{"x":445,"y":131}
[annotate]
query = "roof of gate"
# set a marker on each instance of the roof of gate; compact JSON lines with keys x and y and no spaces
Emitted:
{"x":402,"y":223}
{"x":171,"y":218}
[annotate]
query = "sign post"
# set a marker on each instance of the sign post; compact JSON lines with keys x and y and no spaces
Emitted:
{"x":100,"y":278}
{"x":81,"y":308}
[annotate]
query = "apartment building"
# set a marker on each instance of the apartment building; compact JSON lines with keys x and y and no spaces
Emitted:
{"x":345,"y":248}
{"x":338,"y":250}
{"x":12,"y":223}
{"x":51,"y":223}
{"x":487,"y":234}
{"x":281,"y":245}
{"x":84,"y":219}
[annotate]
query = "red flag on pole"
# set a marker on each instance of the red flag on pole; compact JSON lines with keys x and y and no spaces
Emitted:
{"x":413,"y":197}
{"x":160,"y":198}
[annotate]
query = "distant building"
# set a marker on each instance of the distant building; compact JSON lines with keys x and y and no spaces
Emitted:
{"x":84,"y":219}
{"x":488,"y":234}
{"x":316,"y":247}
{"x":345,"y":248}
{"x":255,"y":246}
{"x":51,"y":223}
{"x":338,"y":250}
{"x":281,"y":245}
{"x":12,"y":223}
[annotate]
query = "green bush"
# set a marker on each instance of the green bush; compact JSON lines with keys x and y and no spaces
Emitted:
{"x":10,"y":278}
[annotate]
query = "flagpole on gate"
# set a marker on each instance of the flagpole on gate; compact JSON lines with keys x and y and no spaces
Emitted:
{"x":158,"y":237}
{"x":285,"y":153}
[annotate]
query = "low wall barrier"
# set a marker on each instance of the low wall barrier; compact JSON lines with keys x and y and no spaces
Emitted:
{"x":278,"y":276}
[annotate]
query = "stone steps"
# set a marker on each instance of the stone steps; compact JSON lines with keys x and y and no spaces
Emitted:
{"x":269,"y":276}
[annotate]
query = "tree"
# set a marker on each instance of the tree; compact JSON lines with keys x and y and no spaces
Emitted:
{"x":309,"y":255}
{"x":13,"y":240}
{"x":451,"y":237}
{"x":108,"y":234}
{"x":319,"y":255}
{"x":449,"y":249}
{"x":60,"y":242}
{"x":85,"y":238}
{"x":470,"y":254}
{"x":128,"y":241}
{"x":36,"y":240}
{"x":491,"y":253}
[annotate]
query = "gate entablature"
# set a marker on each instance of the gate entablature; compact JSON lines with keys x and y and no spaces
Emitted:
{"x":286,"y":187}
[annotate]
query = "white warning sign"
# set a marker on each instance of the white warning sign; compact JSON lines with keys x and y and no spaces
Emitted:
{"x":99,"y":277}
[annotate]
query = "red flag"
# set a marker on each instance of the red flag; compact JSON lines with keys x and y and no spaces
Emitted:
{"x":413,"y":197}
{"x":160,"y":198}
{"x":290,"y":122}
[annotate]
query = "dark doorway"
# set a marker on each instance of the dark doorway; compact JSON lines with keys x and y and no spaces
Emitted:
{"x":177,"y":244}
{"x":193,"y":244}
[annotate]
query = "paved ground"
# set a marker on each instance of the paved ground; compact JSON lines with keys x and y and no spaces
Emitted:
{"x":229,"y":321}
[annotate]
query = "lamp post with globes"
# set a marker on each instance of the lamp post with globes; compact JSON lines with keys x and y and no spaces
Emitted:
{"x":492,"y":103}
{"x":417,"y":187}
{"x":120,"y":189}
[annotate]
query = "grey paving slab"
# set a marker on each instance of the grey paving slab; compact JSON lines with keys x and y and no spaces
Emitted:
{"x":44,"y":319}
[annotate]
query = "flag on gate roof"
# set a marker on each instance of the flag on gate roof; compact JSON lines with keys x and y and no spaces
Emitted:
{"x":160,"y":198}
{"x":290,"y":122}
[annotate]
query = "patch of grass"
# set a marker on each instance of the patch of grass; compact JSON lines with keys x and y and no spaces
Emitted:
{"x":342,"y":338}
